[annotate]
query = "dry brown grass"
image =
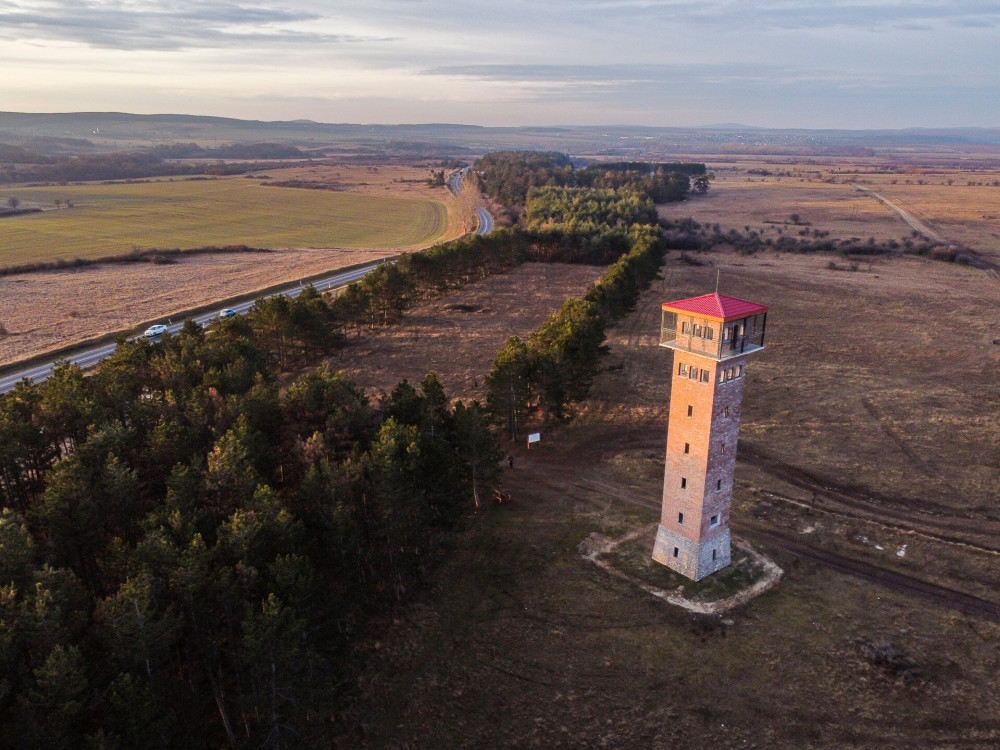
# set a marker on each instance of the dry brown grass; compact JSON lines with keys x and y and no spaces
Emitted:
{"x":458,"y":335}
{"x":50,"y":310}
{"x":820,"y":192}
{"x":516,"y":626}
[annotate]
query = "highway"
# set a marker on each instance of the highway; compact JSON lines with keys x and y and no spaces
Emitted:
{"x":485,"y":218}
{"x":90,"y":357}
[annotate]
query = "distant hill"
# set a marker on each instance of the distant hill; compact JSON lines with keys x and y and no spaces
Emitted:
{"x":81,"y":132}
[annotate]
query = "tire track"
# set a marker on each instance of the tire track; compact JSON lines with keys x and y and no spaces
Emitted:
{"x":899,"y":582}
{"x":585,"y":486}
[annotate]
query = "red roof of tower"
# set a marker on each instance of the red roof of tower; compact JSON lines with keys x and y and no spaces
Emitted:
{"x":716,"y":306}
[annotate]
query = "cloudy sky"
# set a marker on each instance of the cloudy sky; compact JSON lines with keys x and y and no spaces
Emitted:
{"x":771,"y":63}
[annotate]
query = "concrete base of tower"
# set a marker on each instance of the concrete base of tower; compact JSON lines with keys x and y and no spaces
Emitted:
{"x":690,"y":558}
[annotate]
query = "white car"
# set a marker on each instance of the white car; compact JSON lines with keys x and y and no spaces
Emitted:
{"x":153,"y":331}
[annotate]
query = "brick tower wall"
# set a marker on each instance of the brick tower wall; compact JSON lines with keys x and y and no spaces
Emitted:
{"x":701,"y":456}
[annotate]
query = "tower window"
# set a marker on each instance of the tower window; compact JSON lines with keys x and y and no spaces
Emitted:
{"x":722,"y":449}
{"x":680,"y":518}
{"x":718,"y":485}
{"x":708,"y":333}
{"x":684,"y":482}
{"x":722,"y":376}
{"x":676,"y":551}
{"x":682,"y":369}
{"x":691,"y":411}
{"x":704,"y":376}
{"x":725,"y":412}
{"x":697,"y":330}
{"x":714,"y":521}
{"x":687,"y":447}
{"x":739,"y":371}
{"x":685,"y":327}
{"x":693,"y":373}
{"x":713,"y":553}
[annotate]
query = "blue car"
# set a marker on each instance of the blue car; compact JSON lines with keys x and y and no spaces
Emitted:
{"x":225,"y":312}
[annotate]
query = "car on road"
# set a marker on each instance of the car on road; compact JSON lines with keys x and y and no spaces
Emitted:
{"x":156,"y":330}
{"x":225,"y":312}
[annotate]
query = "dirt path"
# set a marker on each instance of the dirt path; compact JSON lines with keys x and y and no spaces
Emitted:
{"x":915,"y":223}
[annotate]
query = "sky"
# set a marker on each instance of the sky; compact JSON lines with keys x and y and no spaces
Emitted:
{"x":684,"y":63}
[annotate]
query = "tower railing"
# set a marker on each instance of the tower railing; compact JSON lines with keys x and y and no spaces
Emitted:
{"x":715,"y":344}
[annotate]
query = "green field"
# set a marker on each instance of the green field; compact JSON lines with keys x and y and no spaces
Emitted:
{"x":115,"y":219}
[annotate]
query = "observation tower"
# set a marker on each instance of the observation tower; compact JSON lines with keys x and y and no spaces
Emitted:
{"x":712,"y":337}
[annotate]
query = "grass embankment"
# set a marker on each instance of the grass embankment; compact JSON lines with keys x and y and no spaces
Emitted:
{"x":111,"y":219}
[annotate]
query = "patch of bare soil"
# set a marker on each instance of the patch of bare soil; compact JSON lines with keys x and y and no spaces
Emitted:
{"x":458,"y":335}
{"x":518,"y":642}
{"x":50,"y":310}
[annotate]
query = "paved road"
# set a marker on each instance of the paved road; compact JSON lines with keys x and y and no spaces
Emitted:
{"x":485,"y":221}
{"x":485,"y":217}
{"x":91,"y":357}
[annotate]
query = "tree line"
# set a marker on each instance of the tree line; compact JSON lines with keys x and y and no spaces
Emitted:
{"x":508,"y":176}
{"x":535,"y":381}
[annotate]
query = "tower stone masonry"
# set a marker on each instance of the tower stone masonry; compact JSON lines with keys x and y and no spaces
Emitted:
{"x":712,"y":337}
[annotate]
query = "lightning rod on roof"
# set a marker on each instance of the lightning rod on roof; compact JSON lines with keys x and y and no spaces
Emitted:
{"x":717,"y":272}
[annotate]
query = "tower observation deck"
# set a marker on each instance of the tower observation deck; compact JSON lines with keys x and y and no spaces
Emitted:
{"x":712,"y":337}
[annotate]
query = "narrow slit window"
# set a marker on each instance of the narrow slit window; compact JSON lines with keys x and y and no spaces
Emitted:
{"x":714,"y":521}
{"x":680,"y":518}
{"x":718,"y":485}
{"x":725,"y":412}
{"x":687,"y":447}
{"x":722,"y":449}
{"x":691,"y":411}
{"x":714,"y":553}
{"x":684,"y":483}
{"x":676,"y":551}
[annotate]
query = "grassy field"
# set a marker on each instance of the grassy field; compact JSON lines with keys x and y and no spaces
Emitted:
{"x":113,"y":219}
{"x":879,"y":382}
{"x":763,"y":193}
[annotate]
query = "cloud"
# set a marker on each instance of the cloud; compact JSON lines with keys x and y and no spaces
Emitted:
{"x":807,"y":14}
{"x":144,"y":25}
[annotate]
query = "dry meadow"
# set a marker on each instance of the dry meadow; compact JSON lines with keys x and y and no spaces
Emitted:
{"x":870,"y":435}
